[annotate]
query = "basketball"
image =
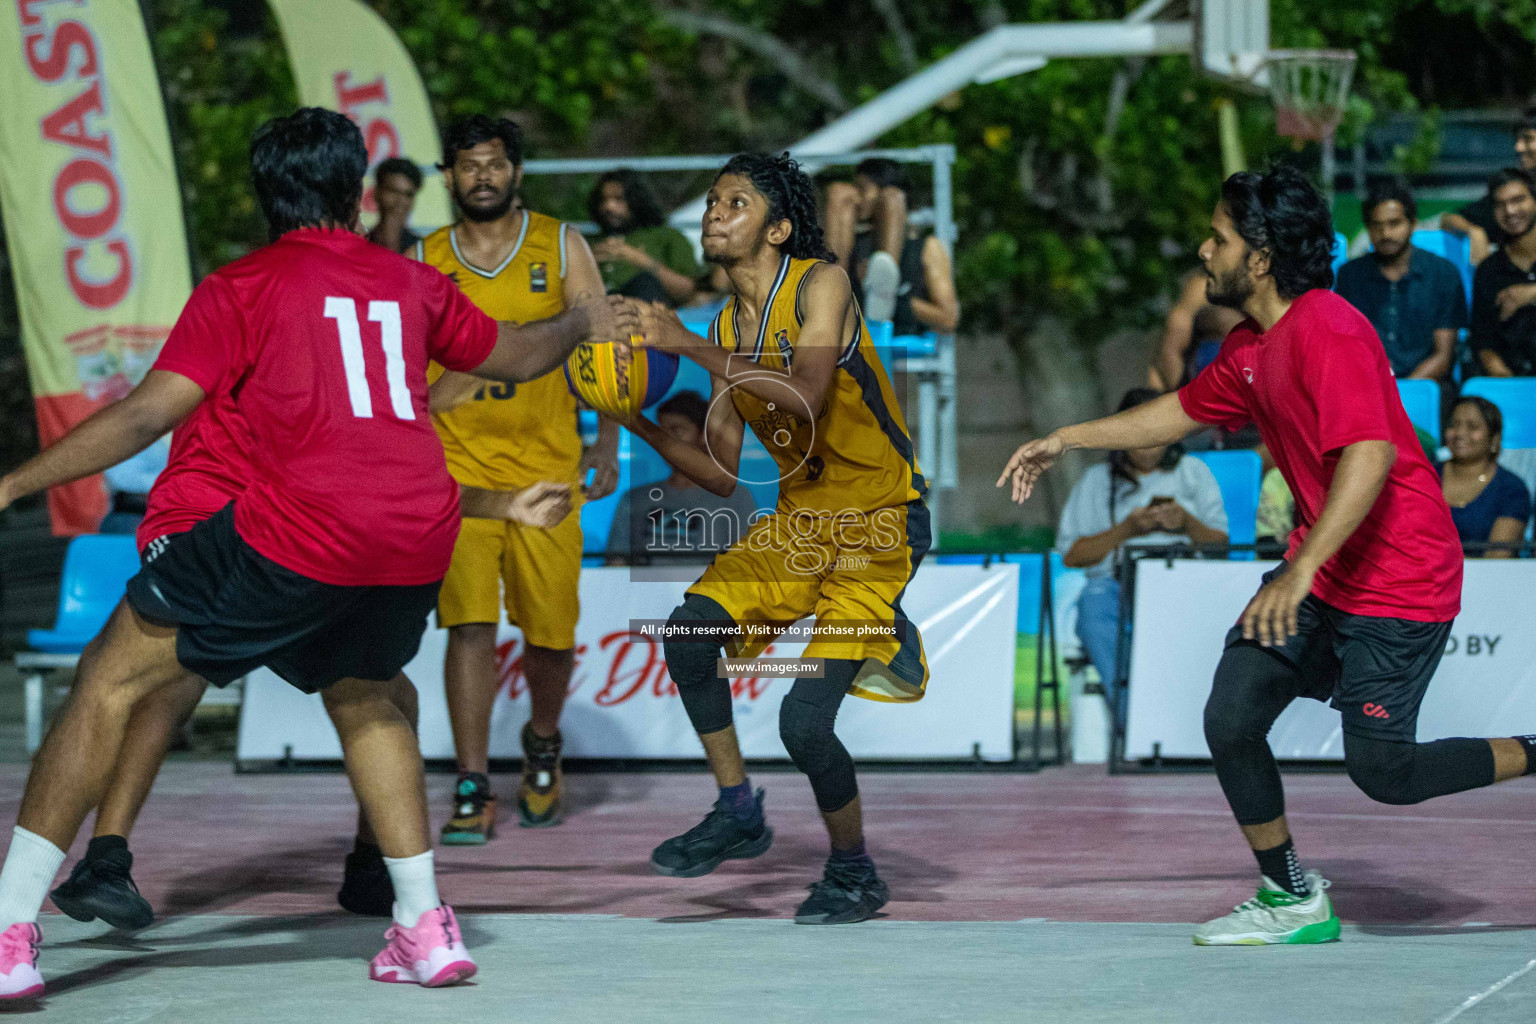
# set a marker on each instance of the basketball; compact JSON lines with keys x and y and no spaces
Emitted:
{"x":619,"y":380}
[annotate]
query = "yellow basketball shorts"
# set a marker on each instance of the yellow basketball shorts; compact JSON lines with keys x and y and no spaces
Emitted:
{"x":848,"y":572}
{"x":536,"y":571}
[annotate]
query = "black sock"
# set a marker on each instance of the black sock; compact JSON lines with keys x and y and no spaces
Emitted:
{"x":854,"y":855}
{"x":366,"y":849}
{"x":1281,"y":867}
{"x":741,"y":804}
{"x":1529,"y":743}
{"x":103,"y":845}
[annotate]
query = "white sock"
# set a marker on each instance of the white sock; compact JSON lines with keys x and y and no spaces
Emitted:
{"x":415,"y":887}
{"x":30,"y":865}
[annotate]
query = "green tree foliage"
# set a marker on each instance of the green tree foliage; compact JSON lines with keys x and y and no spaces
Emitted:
{"x":1082,"y":188}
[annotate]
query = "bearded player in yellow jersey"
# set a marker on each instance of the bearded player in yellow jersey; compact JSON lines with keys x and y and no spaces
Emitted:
{"x":790,"y":356}
{"x":521,"y":266}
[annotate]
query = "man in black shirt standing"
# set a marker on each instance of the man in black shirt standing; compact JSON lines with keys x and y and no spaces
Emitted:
{"x":1477,"y":221}
{"x":1504,"y":286}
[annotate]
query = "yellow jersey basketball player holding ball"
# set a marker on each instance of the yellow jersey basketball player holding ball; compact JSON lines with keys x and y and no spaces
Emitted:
{"x":790,"y":356}
{"x":521,"y":266}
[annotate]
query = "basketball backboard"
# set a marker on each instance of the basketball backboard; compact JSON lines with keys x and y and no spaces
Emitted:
{"x":1232,"y":39}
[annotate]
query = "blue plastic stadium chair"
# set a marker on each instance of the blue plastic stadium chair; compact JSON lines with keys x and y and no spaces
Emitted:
{"x":1340,"y":251}
{"x":96,"y":572}
{"x":907,"y":345}
{"x":597,"y":516}
{"x":1240,"y":475}
{"x":1456,"y":248}
{"x":1421,"y":399}
{"x":1516,"y":399}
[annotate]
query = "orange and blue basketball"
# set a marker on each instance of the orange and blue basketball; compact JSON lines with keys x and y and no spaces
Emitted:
{"x":619,"y":380}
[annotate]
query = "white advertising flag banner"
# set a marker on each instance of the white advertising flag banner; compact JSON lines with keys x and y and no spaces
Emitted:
{"x":1485,"y":686}
{"x":623,"y":703}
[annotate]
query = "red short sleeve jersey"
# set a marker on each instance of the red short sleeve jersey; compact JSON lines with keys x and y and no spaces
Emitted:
{"x":324,"y":341}
{"x":1315,"y":382}
{"x":209,"y":464}
{"x":209,"y":467}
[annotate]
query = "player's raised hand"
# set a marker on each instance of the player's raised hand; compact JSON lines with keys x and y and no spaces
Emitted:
{"x":1026,"y":465}
{"x":611,"y":317}
{"x":661,"y":329}
{"x":543,"y":505}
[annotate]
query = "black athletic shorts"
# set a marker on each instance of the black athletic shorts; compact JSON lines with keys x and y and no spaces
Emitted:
{"x":1372,"y":668}
{"x":236,"y":610}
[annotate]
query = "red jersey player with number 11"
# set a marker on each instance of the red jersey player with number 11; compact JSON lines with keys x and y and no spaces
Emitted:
{"x":1359,"y":611}
{"x":325,"y":568}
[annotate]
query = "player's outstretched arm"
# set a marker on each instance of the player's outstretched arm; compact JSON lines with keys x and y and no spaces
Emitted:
{"x":827,"y":303}
{"x":543,"y":505}
{"x":120,"y":431}
{"x":1160,"y":421}
{"x":714,"y":466}
{"x":452,"y":390}
{"x":524,"y":352}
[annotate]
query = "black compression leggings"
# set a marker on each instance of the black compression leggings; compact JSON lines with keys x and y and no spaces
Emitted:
{"x":1253,"y":686}
{"x":806,"y":718}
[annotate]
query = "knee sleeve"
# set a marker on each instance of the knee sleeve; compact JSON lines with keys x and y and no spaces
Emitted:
{"x":692,"y":663}
{"x":1251,"y":688}
{"x":806,"y":729}
{"x":807,"y":719}
{"x":1408,"y":773}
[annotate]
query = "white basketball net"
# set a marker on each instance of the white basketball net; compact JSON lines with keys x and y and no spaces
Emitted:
{"x":1310,"y":89}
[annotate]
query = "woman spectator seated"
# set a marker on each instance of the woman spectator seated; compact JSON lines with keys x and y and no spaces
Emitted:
{"x":1149,"y":496}
{"x":1489,"y":503}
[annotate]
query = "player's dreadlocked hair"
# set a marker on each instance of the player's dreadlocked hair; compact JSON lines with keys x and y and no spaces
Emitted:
{"x":791,"y":197}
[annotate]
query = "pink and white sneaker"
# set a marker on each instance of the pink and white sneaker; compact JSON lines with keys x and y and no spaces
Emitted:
{"x":432,"y":954}
{"x":19,"y":978}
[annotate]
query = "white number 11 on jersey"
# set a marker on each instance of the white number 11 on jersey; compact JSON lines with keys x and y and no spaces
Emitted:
{"x":387,"y":316}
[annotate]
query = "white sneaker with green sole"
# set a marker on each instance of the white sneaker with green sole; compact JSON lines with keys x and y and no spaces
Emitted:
{"x":1275,"y":917}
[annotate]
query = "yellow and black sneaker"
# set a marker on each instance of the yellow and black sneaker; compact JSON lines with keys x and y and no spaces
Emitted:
{"x":539,"y":801}
{"x":474,"y":812}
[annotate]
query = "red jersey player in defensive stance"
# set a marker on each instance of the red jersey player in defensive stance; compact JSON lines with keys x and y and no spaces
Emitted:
{"x":210,"y":466}
{"x":1360,"y":609}
{"x":325,"y":567}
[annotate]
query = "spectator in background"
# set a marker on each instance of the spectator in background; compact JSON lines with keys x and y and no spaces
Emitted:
{"x":676,"y":515}
{"x":1277,"y":510}
{"x":129,"y":483}
{"x":1478,"y":221}
{"x":905,"y":274}
{"x":395,"y":184}
{"x":1489,"y":503}
{"x":1504,"y":285}
{"x":1148,"y":496}
{"x":1192,"y":335}
{"x":638,"y":253}
{"x":1413,"y":298}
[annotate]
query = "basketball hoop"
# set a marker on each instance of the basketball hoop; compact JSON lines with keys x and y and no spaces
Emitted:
{"x":1310,"y":89}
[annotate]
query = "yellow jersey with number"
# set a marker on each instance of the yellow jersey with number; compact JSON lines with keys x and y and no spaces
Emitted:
{"x":509,"y":436}
{"x":854,"y":453}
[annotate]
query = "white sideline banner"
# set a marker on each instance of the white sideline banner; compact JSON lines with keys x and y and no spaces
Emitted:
{"x":1485,"y":686}
{"x":623,"y":703}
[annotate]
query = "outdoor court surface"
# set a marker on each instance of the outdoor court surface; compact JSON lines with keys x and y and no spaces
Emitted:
{"x":1063,"y":897}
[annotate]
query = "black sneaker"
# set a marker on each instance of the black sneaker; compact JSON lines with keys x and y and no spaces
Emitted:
{"x":848,"y":893}
{"x":366,"y":888}
{"x":721,"y":836}
{"x":103,"y":888}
